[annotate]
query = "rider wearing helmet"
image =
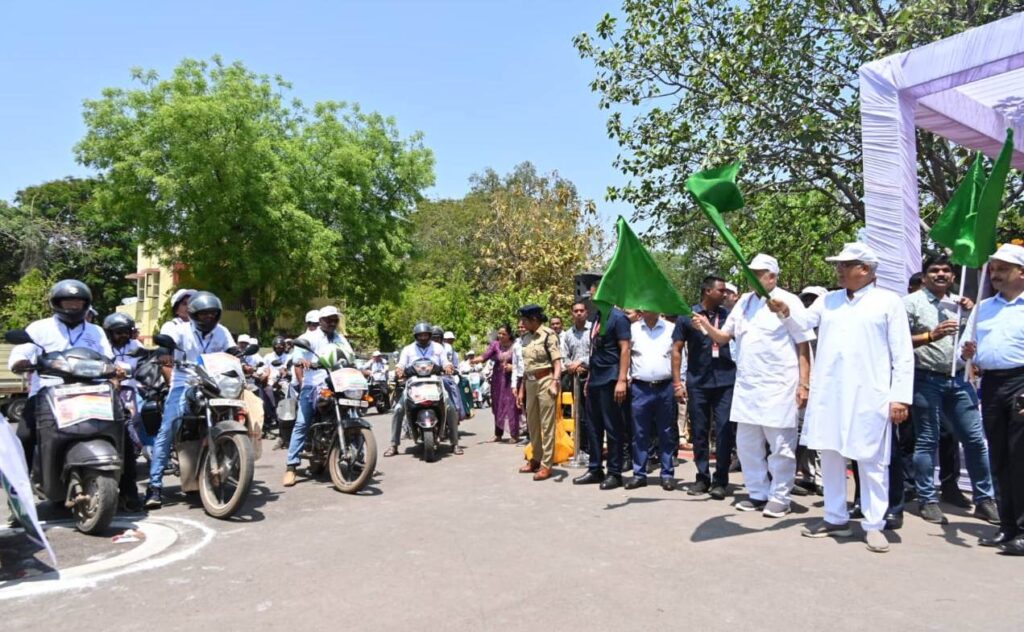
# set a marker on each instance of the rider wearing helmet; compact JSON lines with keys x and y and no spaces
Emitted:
{"x":323,"y":340}
{"x":269,"y":375}
{"x":203,"y":333}
{"x":69,"y":300}
{"x":120,"y":329}
{"x":423,"y":347}
{"x":179,"y":307}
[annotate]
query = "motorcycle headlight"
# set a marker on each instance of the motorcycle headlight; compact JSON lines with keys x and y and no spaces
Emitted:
{"x":230,"y":387}
{"x":353,"y":393}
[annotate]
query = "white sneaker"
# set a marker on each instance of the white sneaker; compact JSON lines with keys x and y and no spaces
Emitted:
{"x":775,"y":509}
{"x":876,"y":541}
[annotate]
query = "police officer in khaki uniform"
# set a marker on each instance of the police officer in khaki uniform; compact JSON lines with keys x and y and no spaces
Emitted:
{"x":542,"y":358}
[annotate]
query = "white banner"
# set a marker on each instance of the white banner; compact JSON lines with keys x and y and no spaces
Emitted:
{"x":15,"y":481}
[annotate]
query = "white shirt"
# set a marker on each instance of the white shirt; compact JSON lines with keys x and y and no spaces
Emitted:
{"x":53,"y":335}
{"x":124,"y":360}
{"x":172,"y":325}
{"x":518,"y":364}
{"x":412,"y":352}
{"x":192,"y":343}
{"x":449,"y":353}
{"x":998,"y":325}
{"x":767,"y":363}
{"x":650,"y":351}
{"x":864,"y":362}
{"x":272,"y":372}
{"x":320,"y":343}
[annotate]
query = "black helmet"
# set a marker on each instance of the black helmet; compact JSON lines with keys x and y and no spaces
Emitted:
{"x":420,"y":328}
{"x":278,"y":340}
{"x":117,"y":321}
{"x":436,"y":330}
{"x":204,"y":302}
{"x":67,"y":289}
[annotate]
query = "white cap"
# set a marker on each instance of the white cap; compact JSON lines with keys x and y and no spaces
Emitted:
{"x":732,"y":288}
{"x":814,"y":290}
{"x":764,"y":262}
{"x":470,"y":352}
{"x":1010,"y":253}
{"x":181,"y":294}
{"x":313,"y":316}
{"x":375,"y":354}
{"x":449,"y":335}
{"x":330,"y":310}
{"x":244,"y":338}
{"x":855,"y":251}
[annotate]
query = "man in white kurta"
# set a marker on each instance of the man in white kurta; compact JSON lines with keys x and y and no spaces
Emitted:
{"x":772,"y":371}
{"x":862,"y":382}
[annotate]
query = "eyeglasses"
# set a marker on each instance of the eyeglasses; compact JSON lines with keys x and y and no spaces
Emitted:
{"x":848,"y":264}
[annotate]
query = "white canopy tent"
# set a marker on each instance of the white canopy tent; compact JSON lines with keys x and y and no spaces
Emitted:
{"x":968,"y":88}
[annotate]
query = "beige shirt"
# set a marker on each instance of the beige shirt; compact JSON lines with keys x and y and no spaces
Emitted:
{"x":540,"y":349}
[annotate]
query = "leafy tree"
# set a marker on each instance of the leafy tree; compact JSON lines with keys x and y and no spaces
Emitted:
{"x":694,"y":82}
{"x":29,"y":300}
{"x":267,"y":202}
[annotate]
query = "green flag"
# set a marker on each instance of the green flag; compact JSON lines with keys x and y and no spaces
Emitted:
{"x":633,"y":280}
{"x":967,"y":225}
{"x":716,"y":193}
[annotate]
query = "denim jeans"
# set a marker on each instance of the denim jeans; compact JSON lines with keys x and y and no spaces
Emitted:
{"x":307,"y":398}
{"x":938,"y":397}
{"x":173,"y":410}
{"x":654,"y":418}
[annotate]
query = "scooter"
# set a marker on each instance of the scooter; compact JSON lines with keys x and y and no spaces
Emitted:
{"x":428,"y":412}
{"x":80,"y":429}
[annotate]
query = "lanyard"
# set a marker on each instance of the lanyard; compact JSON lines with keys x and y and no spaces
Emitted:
{"x":120,"y":353}
{"x":73,"y":341}
{"x":429,"y":351}
{"x":199,"y":338}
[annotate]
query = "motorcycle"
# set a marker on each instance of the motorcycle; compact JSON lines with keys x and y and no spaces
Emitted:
{"x":80,"y":430}
{"x":287,"y":409}
{"x":379,"y":391}
{"x":427,"y":410}
{"x":213,"y":450}
{"x":337,"y":436}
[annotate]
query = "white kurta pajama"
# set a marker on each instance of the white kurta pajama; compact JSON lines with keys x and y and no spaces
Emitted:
{"x":764,"y":398}
{"x":864,"y":363}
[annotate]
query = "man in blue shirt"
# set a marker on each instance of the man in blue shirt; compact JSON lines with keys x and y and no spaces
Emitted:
{"x":710,"y":376}
{"x":995,"y":340}
{"x":606,"y":395}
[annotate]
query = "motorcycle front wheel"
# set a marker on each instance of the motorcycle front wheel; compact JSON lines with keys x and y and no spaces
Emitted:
{"x":429,"y":446}
{"x":225,"y":474}
{"x":94,"y":513}
{"x":350,"y":472}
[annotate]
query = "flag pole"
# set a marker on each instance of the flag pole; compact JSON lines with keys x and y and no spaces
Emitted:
{"x":974,"y":325}
{"x":959,"y":311}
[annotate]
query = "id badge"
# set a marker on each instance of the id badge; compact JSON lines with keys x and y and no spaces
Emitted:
{"x":714,"y":351}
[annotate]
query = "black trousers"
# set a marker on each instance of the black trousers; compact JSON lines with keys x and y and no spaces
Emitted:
{"x":707,"y":405}
{"x":606,"y":418}
{"x":1004,"y":427}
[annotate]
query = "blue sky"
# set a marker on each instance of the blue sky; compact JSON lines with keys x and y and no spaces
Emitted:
{"x":489,"y":83}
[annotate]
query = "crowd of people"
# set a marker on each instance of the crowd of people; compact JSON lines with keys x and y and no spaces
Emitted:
{"x":792,"y":384}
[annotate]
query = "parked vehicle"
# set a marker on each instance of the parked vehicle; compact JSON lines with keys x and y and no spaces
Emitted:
{"x":13,"y":388}
{"x":80,"y":434}
{"x":337,"y":437}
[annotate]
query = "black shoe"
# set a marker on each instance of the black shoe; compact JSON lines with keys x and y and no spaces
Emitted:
{"x":153,"y":498}
{"x":999,"y":539}
{"x":698,"y":489}
{"x":893,"y":522}
{"x":636,"y":482}
{"x":986,"y":510}
{"x":930,"y":512}
{"x":1014,"y":546}
{"x":953,"y":496}
{"x":131,"y":504}
{"x":799,"y":491}
{"x":612,"y":481}
{"x":668,"y":485}
{"x":718,"y":492}
{"x":855,"y":512}
{"x":592,"y":477}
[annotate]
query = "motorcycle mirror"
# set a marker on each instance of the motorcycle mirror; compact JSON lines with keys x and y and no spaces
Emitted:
{"x":139,"y":353}
{"x":302,"y":344}
{"x":276,"y":363}
{"x":18,"y":337}
{"x":165,"y":341}
{"x":235,"y":351}
{"x":252,"y":349}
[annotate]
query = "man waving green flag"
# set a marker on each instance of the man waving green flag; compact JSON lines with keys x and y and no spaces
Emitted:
{"x":716,"y":193}
{"x":633,"y":280}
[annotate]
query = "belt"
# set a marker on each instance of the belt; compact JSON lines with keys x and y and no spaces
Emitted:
{"x":941,"y":374}
{"x":654,"y":383}
{"x":1003,"y":372}
{"x":539,"y":374}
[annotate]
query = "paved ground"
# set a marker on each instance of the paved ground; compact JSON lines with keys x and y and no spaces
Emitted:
{"x":468,"y":544}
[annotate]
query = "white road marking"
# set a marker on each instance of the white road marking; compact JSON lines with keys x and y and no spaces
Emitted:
{"x":146,"y":556}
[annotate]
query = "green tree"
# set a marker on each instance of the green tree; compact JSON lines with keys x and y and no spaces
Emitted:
{"x":691,"y":83}
{"x":28,"y":300}
{"x":267,"y":202}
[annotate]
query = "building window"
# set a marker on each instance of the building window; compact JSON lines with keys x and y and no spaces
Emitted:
{"x":153,"y":283}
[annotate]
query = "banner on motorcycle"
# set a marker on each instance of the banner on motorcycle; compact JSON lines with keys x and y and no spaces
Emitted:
{"x":73,"y":404}
{"x":15,"y":481}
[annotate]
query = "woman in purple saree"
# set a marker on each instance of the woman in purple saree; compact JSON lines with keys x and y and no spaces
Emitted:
{"x":503,"y":399}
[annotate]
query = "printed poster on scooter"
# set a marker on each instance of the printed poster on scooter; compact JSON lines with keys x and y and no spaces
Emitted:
{"x":75,"y":404}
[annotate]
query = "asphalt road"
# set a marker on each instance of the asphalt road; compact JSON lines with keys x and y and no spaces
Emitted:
{"x":466,"y":543}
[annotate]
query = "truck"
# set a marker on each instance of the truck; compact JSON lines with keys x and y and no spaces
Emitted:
{"x":13,"y":388}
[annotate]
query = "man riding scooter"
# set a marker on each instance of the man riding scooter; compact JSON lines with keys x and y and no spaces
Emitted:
{"x":425,"y":348}
{"x":120,"y":328}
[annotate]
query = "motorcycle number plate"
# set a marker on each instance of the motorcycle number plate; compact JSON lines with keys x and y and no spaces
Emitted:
{"x":355,"y":403}
{"x":425,"y":392}
{"x":237,"y":403}
{"x":75,"y":404}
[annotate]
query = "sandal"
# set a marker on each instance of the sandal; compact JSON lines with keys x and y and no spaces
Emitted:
{"x":495,"y":439}
{"x":458,"y":450}
{"x":391,"y":451}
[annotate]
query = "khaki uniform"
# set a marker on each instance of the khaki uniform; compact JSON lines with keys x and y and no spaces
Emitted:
{"x":540,"y":351}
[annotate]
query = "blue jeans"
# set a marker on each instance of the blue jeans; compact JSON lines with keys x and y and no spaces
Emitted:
{"x":654,"y":417}
{"x":307,"y":398}
{"x":938,"y":397}
{"x":173,"y":410}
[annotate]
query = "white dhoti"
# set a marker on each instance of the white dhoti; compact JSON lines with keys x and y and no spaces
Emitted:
{"x":779,"y":462}
{"x":874,"y":490}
